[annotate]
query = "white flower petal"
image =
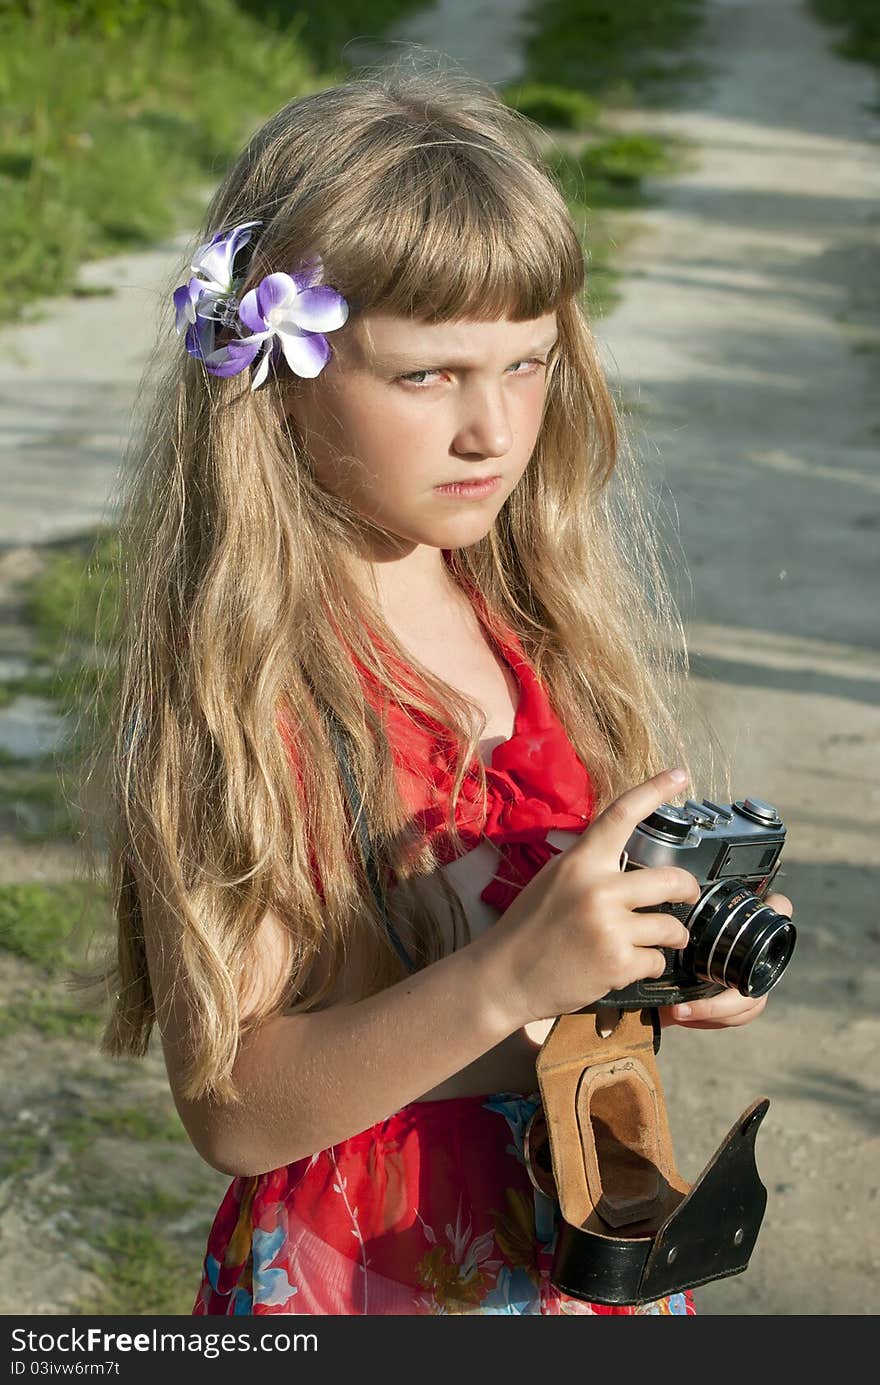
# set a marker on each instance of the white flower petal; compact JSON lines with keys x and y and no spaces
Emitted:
{"x":262,"y":370}
{"x":306,"y":353}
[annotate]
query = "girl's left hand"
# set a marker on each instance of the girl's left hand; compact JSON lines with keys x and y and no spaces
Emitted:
{"x":729,"y":1009}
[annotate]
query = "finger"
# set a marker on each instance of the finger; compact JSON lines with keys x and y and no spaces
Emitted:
{"x":658,"y":930}
{"x":659,"y":885}
{"x":609,"y":833}
{"x":728,"y":1008}
{"x":780,"y":904}
{"x":649,"y":963}
{"x":736,"y":1023}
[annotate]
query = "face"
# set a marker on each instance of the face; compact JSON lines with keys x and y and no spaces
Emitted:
{"x":404,"y":406}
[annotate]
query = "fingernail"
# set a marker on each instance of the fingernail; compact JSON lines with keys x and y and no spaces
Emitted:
{"x":678,"y":775}
{"x":682,"y":1012}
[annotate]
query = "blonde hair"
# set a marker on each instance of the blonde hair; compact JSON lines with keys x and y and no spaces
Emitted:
{"x":425,"y":196}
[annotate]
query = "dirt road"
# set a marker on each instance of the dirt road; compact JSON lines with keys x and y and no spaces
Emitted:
{"x":749,"y":333}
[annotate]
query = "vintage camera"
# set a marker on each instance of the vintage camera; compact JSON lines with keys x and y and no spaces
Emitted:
{"x":736,"y":940}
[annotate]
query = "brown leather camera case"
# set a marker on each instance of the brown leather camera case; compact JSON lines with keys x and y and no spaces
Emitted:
{"x":633,"y":1229}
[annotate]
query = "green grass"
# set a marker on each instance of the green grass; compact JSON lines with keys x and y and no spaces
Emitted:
{"x":325,"y":29}
{"x":858,"y":22}
{"x":554,"y":106}
{"x":36,"y":682}
{"x":610,"y":172}
{"x":118,"y":1161}
{"x":608,"y":177}
{"x":616,"y":51}
{"x":35,"y":807}
{"x":142,"y":1240}
{"x":49,"y":925}
{"x":110,"y":139}
{"x":6,"y":756}
{"x":583,"y":56}
{"x":112,"y":136}
{"x":53,"y":1019}
{"x":145,"y":1269}
{"x":131,"y":1123}
{"x":71,"y":601}
{"x":116,"y":119}
{"x":21,"y":1148}
{"x":69,"y":607}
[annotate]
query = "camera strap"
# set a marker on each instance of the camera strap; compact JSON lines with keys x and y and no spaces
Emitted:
{"x":355,"y":800}
{"x":633,"y":1228}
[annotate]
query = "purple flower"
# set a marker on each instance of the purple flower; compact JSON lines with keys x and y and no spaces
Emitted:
{"x":186,"y":299}
{"x":286,"y":315}
{"x":292,"y":312}
{"x":214,"y":261}
{"x":209,"y":296}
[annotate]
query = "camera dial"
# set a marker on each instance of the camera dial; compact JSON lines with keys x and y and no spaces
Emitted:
{"x":669,"y":823}
{"x":758,"y":811}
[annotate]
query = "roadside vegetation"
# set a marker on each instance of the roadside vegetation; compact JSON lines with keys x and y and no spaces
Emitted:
{"x":858,"y":26}
{"x":97,"y":1175}
{"x":117,"y":116}
{"x":622,"y":52}
{"x":585,"y":60}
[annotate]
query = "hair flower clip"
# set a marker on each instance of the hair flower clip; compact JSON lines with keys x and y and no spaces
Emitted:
{"x":285,"y":315}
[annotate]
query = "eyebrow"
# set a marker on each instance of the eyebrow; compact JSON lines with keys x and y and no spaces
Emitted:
{"x":396,"y":359}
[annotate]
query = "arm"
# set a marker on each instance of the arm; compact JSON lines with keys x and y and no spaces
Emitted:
{"x":311,"y":1080}
{"x":308,"y":1081}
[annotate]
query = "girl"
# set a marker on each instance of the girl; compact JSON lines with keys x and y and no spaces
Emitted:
{"x":398,"y":676}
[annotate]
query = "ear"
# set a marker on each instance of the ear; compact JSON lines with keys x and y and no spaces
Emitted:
{"x":292,"y":404}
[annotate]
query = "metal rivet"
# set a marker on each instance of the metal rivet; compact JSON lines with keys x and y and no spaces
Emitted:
{"x":738,"y":1236}
{"x":671,"y":1254}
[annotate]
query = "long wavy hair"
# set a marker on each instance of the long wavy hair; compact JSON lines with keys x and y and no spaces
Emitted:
{"x":425,"y":196}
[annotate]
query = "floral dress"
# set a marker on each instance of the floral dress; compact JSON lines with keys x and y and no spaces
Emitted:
{"x":429,"y":1212}
{"x":432,"y":1210}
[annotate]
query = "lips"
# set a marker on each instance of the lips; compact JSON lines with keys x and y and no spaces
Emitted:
{"x":470,"y":481}
{"x":470,"y":489}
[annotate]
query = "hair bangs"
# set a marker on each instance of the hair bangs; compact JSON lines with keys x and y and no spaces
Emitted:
{"x":450,"y":231}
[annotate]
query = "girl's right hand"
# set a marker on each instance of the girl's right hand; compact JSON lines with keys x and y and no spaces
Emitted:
{"x":572,"y":935}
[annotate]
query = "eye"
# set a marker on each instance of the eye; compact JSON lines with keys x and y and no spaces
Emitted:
{"x":534,"y":360}
{"x":419,"y":378}
{"x":419,"y":384}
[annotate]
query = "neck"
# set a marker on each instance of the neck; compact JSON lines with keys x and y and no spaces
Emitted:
{"x":405,"y":586}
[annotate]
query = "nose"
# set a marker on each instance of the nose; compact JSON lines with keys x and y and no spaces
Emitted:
{"x":484,"y":429}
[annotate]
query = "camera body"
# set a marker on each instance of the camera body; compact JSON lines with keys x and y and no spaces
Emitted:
{"x":737,"y":941}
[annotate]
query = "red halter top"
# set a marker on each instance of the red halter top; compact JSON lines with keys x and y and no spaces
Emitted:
{"x":535,"y":781}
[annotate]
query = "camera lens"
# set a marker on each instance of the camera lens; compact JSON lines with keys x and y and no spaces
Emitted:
{"x":739,"y":941}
